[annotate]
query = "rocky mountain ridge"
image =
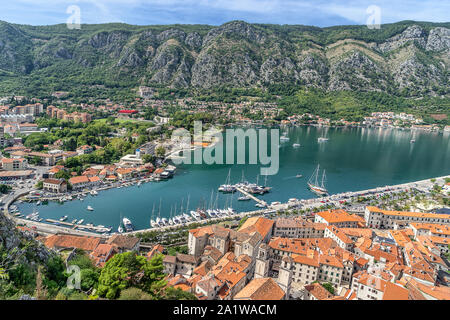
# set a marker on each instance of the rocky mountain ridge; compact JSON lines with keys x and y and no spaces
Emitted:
{"x":410,"y":56}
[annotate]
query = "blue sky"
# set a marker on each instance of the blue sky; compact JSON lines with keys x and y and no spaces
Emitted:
{"x":215,"y":12}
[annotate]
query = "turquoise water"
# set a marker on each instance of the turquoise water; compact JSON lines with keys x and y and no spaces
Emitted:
{"x":354,"y":159}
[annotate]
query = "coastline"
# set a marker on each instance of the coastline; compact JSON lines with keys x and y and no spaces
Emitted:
{"x":309,"y":204}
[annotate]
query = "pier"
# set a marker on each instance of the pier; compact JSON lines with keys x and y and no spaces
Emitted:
{"x":77,"y":226}
{"x":262,"y":202}
{"x":307,"y":204}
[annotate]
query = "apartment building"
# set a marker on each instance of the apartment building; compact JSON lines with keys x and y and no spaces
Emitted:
{"x":387,"y":219}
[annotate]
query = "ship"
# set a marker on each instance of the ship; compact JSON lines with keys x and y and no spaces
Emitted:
{"x":90,"y":208}
{"x":313,"y":183}
{"x":128,"y":225}
{"x":322,"y":139}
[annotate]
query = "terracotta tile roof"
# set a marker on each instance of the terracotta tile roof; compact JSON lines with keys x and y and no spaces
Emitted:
{"x":79,"y":179}
{"x":437,"y":292}
{"x":203,"y":268}
{"x":358,"y":232}
{"x":156,"y":249}
{"x":257,"y":224}
{"x":121,"y":241}
{"x":94,"y":179}
{"x":261,"y":289}
{"x":330,"y":261}
{"x":409,"y":214}
{"x":339,"y":234}
{"x":310,"y":261}
{"x":318,"y":291}
{"x":395,"y":292}
{"x":186,"y":258}
{"x":55,"y":181}
{"x":432,"y":227}
{"x":68,"y":241}
{"x":337,"y":216}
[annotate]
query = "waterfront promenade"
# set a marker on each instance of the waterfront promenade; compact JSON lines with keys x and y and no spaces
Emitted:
{"x":312,"y":203}
{"x":304,"y":204}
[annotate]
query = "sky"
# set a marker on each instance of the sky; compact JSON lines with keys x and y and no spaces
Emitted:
{"x":321,"y":13}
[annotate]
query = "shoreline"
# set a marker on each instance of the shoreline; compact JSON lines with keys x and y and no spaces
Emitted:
{"x":310,"y":203}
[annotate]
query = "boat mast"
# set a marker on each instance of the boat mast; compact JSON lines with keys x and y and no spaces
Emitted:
{"x":323,"y":180}
{"x":211,"y":200}
{"x":216,"y":202}
{"x":159,"y":213}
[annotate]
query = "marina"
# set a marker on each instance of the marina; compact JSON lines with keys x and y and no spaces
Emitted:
{"x":352,"y":162}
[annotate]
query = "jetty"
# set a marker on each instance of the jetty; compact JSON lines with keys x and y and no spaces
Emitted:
{"x":78,"y":226}
{"x":262,"y":202}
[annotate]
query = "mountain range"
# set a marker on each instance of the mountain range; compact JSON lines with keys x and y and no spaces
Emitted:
{"x":408,"y":57}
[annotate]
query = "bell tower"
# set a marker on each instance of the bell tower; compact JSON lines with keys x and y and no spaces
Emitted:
{"x":262,"y":262}
{"x":285,"y":275}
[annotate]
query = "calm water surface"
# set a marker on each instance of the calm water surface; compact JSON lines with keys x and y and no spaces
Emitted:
{"x":354,"y":159}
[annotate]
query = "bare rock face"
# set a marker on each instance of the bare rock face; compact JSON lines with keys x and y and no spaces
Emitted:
{"x":214,"y":69}
{"x":313,"y":71}
{"x":21,"y":247}
{"x":278,"y":70}
{"x":110,"y":42}
{"x":413,"y":74}
{"x":171,"y":34}
{"x":130,"y":58}
{"x":412,"y":33}
{"x":237,"y":54}
{"x":193,"y":40}
{"x":438,"y":39}
{"x":238,"y":29}
{"x":356,"y":72}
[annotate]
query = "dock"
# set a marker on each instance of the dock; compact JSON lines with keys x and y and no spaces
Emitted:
{"x":77,"y":226}
{"x":262,"y":202}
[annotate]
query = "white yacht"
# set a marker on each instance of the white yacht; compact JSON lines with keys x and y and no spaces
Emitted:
{"x":128,"y":225}
{"x":90,"y":208}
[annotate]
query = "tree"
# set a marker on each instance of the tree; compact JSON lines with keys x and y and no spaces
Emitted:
{"x":134,"y":294}
{"x":40,"y":185}
{"x":171,"y":293}
{"x":130,"y":270}
{"x":329,"y":287}
{"x":242,"y":221}
{"x":160,"y":151}
{"x":3,"y":274}
{"x":147,"y":158}
{"x":4,"y":188}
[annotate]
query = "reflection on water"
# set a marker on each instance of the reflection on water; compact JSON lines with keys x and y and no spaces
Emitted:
{"x":354,"y":159}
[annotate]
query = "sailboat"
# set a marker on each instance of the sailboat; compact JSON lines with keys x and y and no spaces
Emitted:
{"x":313,"y":183}
{"x":227,"y":187}
{"x":120,"y":229}
{"x":152,"y":222}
